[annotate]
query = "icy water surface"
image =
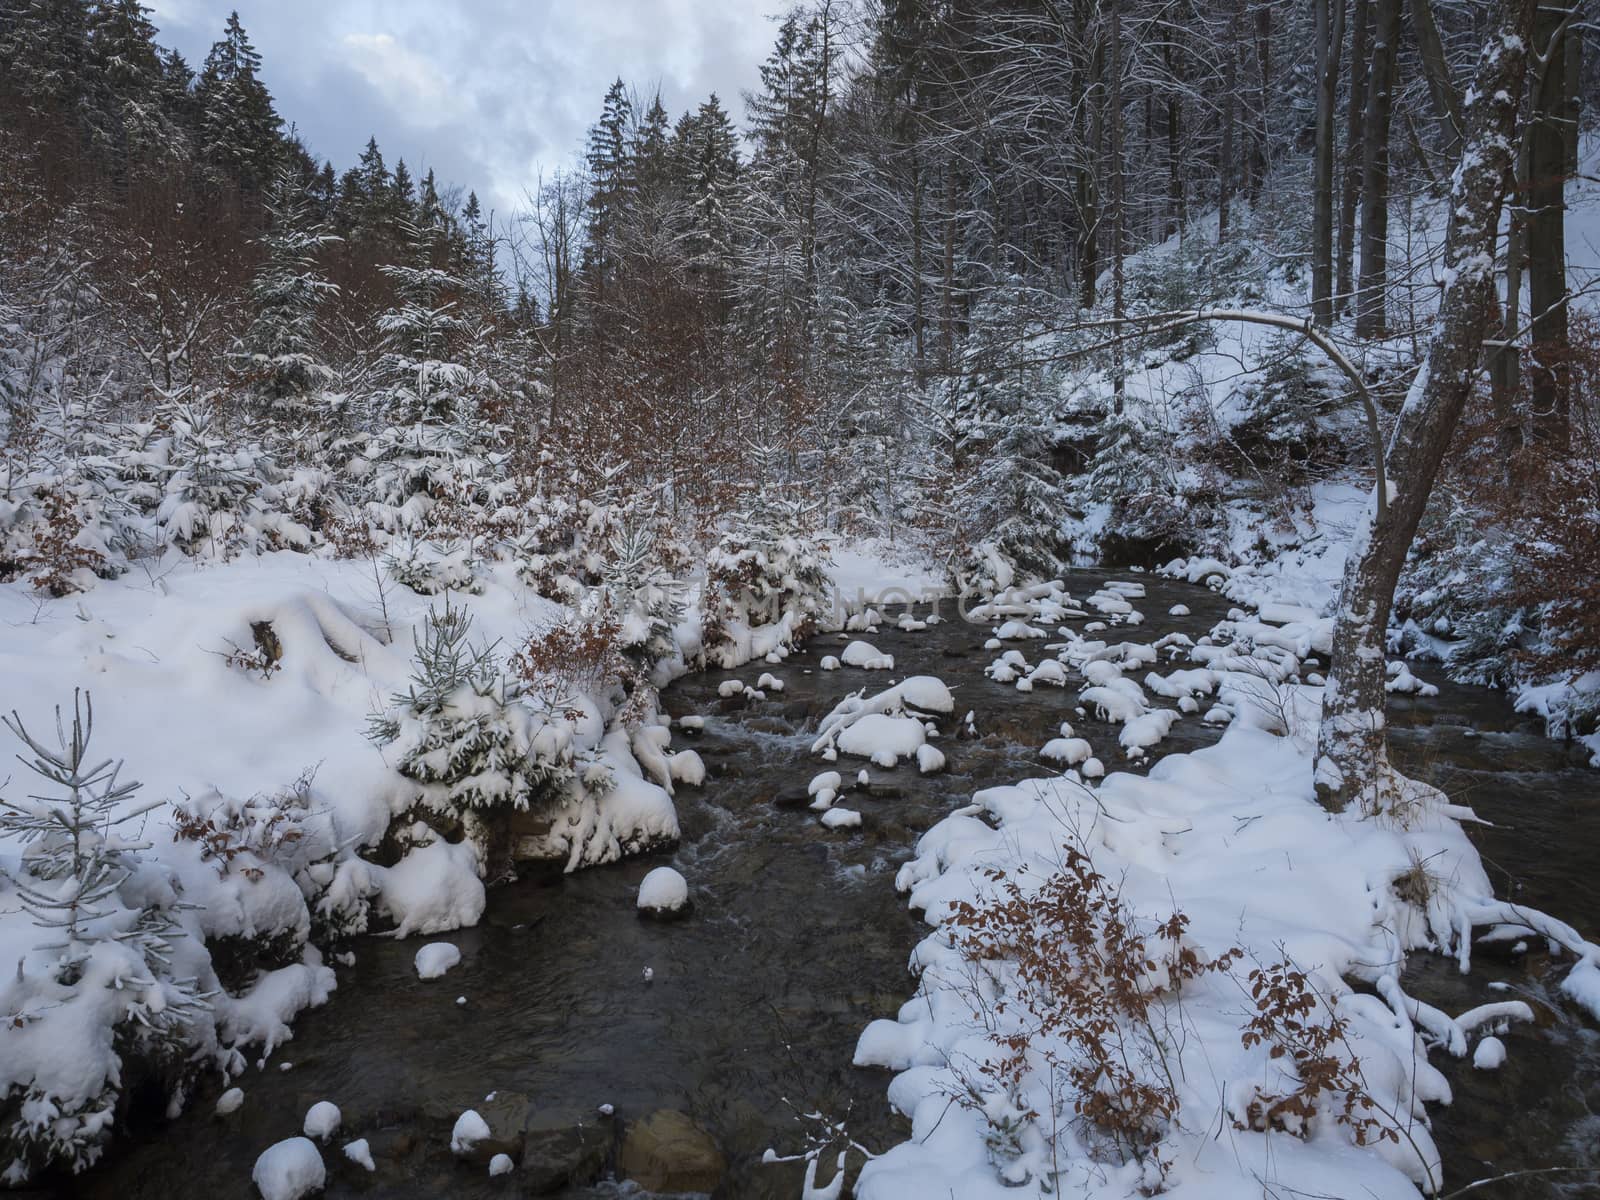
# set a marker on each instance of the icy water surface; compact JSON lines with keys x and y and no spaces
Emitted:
{"x":798,"y":939}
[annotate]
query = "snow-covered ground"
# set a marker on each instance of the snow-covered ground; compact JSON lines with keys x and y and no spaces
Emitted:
{"x":1187,"y":982}
{"x":239,"y":695}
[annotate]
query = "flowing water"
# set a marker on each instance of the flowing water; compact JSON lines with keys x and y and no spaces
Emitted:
{"x":797,"y":939}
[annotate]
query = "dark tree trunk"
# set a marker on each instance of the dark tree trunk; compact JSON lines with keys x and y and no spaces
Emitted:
{"x":1354,"y":149}
{"x":1352,"y":745}
{"x":1330,"y":40}
{"x":1261,"y":157}
{"x":1549,"y":165}
{"x":1177,"y":216}
{"x":1229,"y":118}
{"x":1370,"y":319}
{"x":1436,"y":70}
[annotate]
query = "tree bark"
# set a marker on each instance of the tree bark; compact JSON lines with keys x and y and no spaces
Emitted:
{"x":1330,"y":40}
{"x":1262,"y":157}
{"x":1119,"y":193}
{"x":1229,"y":108}
{"x":1354,"y":146}
{"x":1375,"y":172}
{"x":1548,"y":167}
{"x":1436,"y":70}
{"x":1352,"y":764}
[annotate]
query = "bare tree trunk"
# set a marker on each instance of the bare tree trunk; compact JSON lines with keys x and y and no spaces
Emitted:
{"x":1089,"y":184}
{"x":1119,"y":194}
{"x":1375,"y":172}
{"x":918,"y":322}
{"x":1352,"y":744}
{"x":1548,"y":167}
{"x":1354,"y":150}
{"x":1258,"y":173}
{"x":1330,"y":40}
{"x":1225,"y":155}
{"x":1505,"y":363}
{"x":1435,"y":68}
{"x":947,"y":299}
{"x":1178,"y":216}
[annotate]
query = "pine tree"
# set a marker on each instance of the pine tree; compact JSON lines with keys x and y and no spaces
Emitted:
{"x":239,"y":129}
{"x":280,"y":345}
{"x":610,"y":187}
{"x":44,"y":56}
{"x":131,"y":120}
{"x":425,"y":383}
{"x":706,"y":152}
{"x":108,"y":957}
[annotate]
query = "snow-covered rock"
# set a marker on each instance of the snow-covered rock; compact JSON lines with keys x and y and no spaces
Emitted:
{"x":688,"y":768}
{"x":229,"y":1101}
{"x":289,"y":1169}
{"x":434,"y":959}
{"x":360,"y":1153}
{"x":865,"y":655}
{"x":470,"y":1129}
{"x":1489,"y":1055}
{"x":841,"y":818}
{"x":663,"y":891}
{"x":501,"y":1164}
{"x":322,"y":1120}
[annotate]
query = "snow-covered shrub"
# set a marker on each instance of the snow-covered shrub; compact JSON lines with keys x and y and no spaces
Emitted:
{"x":1296,"y":419}
{"x":282,"y":831}
{"x":768,"y":569}
{"x":564,"y":545}
{"x":980,"y":570}
{"x":459,"y":733}
{"x":1082,"y":986}
{"x":565,"y":667}
{"x":210,"y":501}
{"x":60,"y":538}
{"x":430,"y":568}
{"x":1151,"y":509}
{"x":108,"y":980}
{"x":641,"y":590}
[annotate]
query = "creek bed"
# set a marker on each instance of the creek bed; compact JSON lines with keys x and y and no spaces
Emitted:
{"x":797,"y":940}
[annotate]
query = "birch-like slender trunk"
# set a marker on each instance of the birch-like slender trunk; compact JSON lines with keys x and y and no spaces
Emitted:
{"x":1352,"y":764}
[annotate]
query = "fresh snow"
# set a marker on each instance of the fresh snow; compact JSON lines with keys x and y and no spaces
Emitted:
{"x":663,"y":890}
{"x":360,"y":1153}
{"x":436,"y":958}
{"x":289,"y":1170}
{"x":322,"y":1120}
{"x":469,"y":1130}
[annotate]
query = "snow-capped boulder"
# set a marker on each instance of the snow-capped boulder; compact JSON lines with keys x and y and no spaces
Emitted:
{"x":434,"y":959}
{"x":663,"y":893}
{"x":289,"y":1169}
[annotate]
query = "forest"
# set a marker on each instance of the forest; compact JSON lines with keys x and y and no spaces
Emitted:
{"x":1221,"y":376}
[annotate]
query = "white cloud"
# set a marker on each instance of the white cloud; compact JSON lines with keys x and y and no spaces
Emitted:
{"x":408,"y":82}
{"x":486,"y":92}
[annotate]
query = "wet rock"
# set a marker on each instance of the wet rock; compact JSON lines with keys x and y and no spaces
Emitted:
{"x":885,"y":791}
{"x":507,"y":1115}
{"x":558,"y":1156}
{"x":792,"y":798}
{"x":667,"y":1152}
{"x":393,"y":1144}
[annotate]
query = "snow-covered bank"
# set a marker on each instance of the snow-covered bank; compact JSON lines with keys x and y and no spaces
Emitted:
{"x":1189,"y":982}
{"x":1231,"y":838}
{"x":240,"y":694}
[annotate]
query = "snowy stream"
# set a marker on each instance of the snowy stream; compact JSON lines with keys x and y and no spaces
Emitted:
{"x":797,"y":939}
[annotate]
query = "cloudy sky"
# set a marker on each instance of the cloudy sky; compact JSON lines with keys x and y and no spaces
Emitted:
{"x":486,"y":92}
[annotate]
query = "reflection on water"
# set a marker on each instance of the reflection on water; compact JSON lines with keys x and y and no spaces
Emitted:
{"x":797,"y":940}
